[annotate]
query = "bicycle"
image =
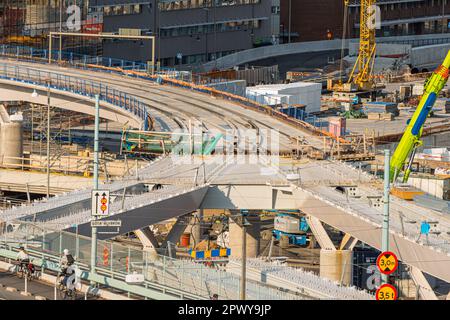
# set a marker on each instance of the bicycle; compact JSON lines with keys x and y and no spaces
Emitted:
{"x":25,"y":269}
{"x":66,"y":293}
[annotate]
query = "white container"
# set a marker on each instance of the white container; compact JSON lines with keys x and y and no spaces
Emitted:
{"x":287,"y":224}
{"x":293,"y":93}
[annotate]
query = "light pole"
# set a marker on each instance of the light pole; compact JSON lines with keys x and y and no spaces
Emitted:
{"x":48,"y":140}
{"x":385,"y":231}
{"x":289,"y":26}
{"x":94,"y":229}
{"x":244,"y":225}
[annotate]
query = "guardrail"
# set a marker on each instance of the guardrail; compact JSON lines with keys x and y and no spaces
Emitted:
{"x":48,"y":262}
{"x":165,"y":277}
{"x":87,"y":88}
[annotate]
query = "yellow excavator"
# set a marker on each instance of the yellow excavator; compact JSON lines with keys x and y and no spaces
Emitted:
{"x":361,"y":77}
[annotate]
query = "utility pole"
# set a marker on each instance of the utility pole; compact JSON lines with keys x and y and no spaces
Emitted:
{"x":289,"y":23}
{"x":60,"y":29}
{"x":385,"y":231}
{"x":48,"y":140}
{"x":94,"y":229}
{"x":244,"y":225}
{"x":244,"y":259}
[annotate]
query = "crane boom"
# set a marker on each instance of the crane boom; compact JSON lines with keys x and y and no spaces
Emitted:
{"x":411,"y":137}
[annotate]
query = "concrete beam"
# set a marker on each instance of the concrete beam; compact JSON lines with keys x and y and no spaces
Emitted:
{"x":147,"y":238}
{"x":320,"y":233}
{"x":348,"y":242}
{"x":425,"y":290}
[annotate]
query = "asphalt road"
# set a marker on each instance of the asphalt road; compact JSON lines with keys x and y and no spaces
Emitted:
{"x":35,"y":287}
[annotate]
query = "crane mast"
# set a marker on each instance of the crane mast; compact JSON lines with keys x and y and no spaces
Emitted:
{"x":360,"y":78}
{"x":367,"y":47}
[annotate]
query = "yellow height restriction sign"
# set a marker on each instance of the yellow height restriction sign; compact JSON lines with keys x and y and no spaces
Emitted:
{"x":386,"y":292}
{"x":387,"y":262}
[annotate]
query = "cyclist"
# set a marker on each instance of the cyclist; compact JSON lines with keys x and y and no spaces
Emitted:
{"x":24,"y":262}
{"x":66,"y":263}
{"x":23,"y":258}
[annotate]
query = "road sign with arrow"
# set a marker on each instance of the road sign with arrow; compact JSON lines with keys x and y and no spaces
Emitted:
{"x":100,"y":203}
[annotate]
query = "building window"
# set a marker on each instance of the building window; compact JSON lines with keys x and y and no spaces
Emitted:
{"x":209,"y":28}
{"x":191,"y":4}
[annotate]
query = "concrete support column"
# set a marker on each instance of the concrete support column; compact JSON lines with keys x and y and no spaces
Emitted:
{"x":337,"y":265}
{"x":252,"y":239}
{"x":11,"y":141}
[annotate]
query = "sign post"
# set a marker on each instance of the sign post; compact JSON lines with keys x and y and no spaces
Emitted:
{"x":385,"y":231}
{"x":96,"y":160}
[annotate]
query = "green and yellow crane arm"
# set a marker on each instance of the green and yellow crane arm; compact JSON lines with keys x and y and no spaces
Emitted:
{"x":411,"y":137}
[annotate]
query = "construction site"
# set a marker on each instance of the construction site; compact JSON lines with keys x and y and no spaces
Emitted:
{"x":281,"y":172}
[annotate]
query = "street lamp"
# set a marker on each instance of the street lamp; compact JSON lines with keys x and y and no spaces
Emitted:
{"x":48,"y":140}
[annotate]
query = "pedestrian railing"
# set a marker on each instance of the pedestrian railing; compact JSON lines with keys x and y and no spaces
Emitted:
{"x":87,"y":88}
{"x":165,"y":277}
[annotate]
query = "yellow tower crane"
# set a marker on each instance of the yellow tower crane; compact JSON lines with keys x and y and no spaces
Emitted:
{"x":361,"y":77}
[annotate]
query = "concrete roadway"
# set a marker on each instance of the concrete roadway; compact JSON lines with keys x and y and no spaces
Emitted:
{"x":171,"y":103}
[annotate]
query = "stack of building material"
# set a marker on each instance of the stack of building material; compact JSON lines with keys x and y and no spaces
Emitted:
{"x":442,"y":172}
{"x":405,"y":92}
{"x":305,"y":93}
{"x":380,"y":107}
{"x":380,"y":116}
{"x":236,"y":87}
{"x":436,"y":154}
{"x":417,"y":90}
{"x":435,"y":186}
{"x":337,"y":126}
{"x":442,"y":104}
{"x":296,"y":111}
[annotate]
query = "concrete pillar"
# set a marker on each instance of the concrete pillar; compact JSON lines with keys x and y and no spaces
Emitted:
{"x":337,"y":265}
{"x":253,"y":237}
{"x":11,"y":138}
